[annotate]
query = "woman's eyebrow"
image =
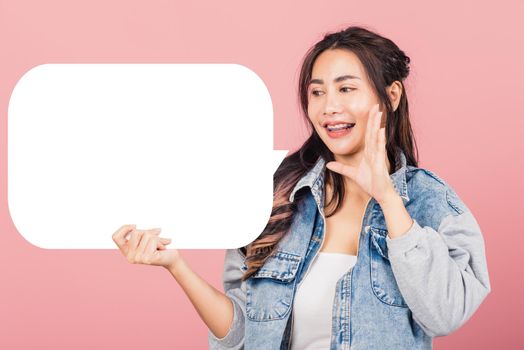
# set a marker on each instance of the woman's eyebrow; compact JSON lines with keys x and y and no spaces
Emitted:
{"x":336,"y":80}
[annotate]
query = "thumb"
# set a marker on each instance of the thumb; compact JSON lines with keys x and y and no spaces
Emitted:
{"x":342,"y":169}
{"x":165,"y":240}
{"x":162,"y":242}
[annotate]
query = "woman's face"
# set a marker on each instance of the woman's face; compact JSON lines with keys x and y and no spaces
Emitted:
{"x":339,"y":93}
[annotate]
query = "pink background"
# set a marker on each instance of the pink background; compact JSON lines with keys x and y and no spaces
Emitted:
{"x":465,"y":94}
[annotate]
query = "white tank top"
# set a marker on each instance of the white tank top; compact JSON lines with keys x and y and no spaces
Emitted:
{"x":313,"y":301}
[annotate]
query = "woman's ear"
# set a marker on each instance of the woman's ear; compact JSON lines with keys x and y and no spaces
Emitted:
{"x":394,"y":92}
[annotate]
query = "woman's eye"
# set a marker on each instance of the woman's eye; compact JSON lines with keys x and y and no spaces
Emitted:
{"x":316,"y":92}
{"x":346,"y":89}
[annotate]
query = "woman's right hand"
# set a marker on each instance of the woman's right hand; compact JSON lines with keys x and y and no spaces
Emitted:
{"x":145,"y":247}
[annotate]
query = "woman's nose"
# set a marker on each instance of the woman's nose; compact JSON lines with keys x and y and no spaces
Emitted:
{"x":333,"y":104}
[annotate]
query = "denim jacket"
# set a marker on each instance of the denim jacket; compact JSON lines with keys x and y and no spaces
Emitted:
{"x":401,"y":292}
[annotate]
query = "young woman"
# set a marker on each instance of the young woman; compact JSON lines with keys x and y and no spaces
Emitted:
{"x":363,"y":248}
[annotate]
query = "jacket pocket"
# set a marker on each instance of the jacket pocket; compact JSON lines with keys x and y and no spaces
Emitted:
{"x":383,"y":281}
{"x":270,"y":290}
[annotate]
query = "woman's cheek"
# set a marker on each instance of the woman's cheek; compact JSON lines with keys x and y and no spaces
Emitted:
{"x":360,"y":104}
{"x":311,"y":115}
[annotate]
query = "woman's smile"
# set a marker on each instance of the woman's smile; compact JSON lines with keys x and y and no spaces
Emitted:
{"x":339,"y":130}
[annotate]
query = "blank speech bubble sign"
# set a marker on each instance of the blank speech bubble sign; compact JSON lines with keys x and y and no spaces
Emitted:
{"x":184,"y":147}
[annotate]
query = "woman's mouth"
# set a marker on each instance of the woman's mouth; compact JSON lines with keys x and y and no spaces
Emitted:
{"x":339,"y":130}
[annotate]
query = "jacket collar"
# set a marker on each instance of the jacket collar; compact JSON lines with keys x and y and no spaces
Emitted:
{"x":314,"y":179}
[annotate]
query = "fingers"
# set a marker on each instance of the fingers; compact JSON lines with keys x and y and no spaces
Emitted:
{"x":377,"y":131}
{"x":369,"y":127}
{"x":164,"y":241}
{"x":150,"y":251}
{"x":376,"y":128}
{"x":373,"y":130}
{"x":140,"y":250}
{"x":382,"y":140}
{"x":134,"y":240}
{"x":119,"y":235}
{"x":143,"y":245}
{"x":342,"y":169}
{"x":155,"y":231}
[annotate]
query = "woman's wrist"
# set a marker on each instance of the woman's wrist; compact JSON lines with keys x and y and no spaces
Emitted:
{"x":398,"y":220}
{"x":176,"y":266}
{"x":391,"y":197}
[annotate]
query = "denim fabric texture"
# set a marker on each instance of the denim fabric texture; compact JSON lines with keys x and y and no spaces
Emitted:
{"x":400,"y":294}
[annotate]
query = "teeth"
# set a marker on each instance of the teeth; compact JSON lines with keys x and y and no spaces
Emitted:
{"x":339,"y":126}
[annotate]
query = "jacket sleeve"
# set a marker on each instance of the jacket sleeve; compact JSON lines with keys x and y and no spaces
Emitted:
{"x":442,"y":274}
{"x":235,"y":289}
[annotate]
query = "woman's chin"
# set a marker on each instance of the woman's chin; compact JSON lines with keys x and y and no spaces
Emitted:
{"x":342,"y":146}
{"x":343,"y":151}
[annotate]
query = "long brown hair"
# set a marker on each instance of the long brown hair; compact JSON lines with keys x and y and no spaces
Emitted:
{"x":384,"y":63}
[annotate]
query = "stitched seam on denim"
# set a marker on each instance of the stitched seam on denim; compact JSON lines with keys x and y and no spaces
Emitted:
{"x":372,"y":282}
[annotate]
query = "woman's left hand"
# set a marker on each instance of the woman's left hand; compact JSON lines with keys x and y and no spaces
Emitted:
{"x":372,"y":173}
